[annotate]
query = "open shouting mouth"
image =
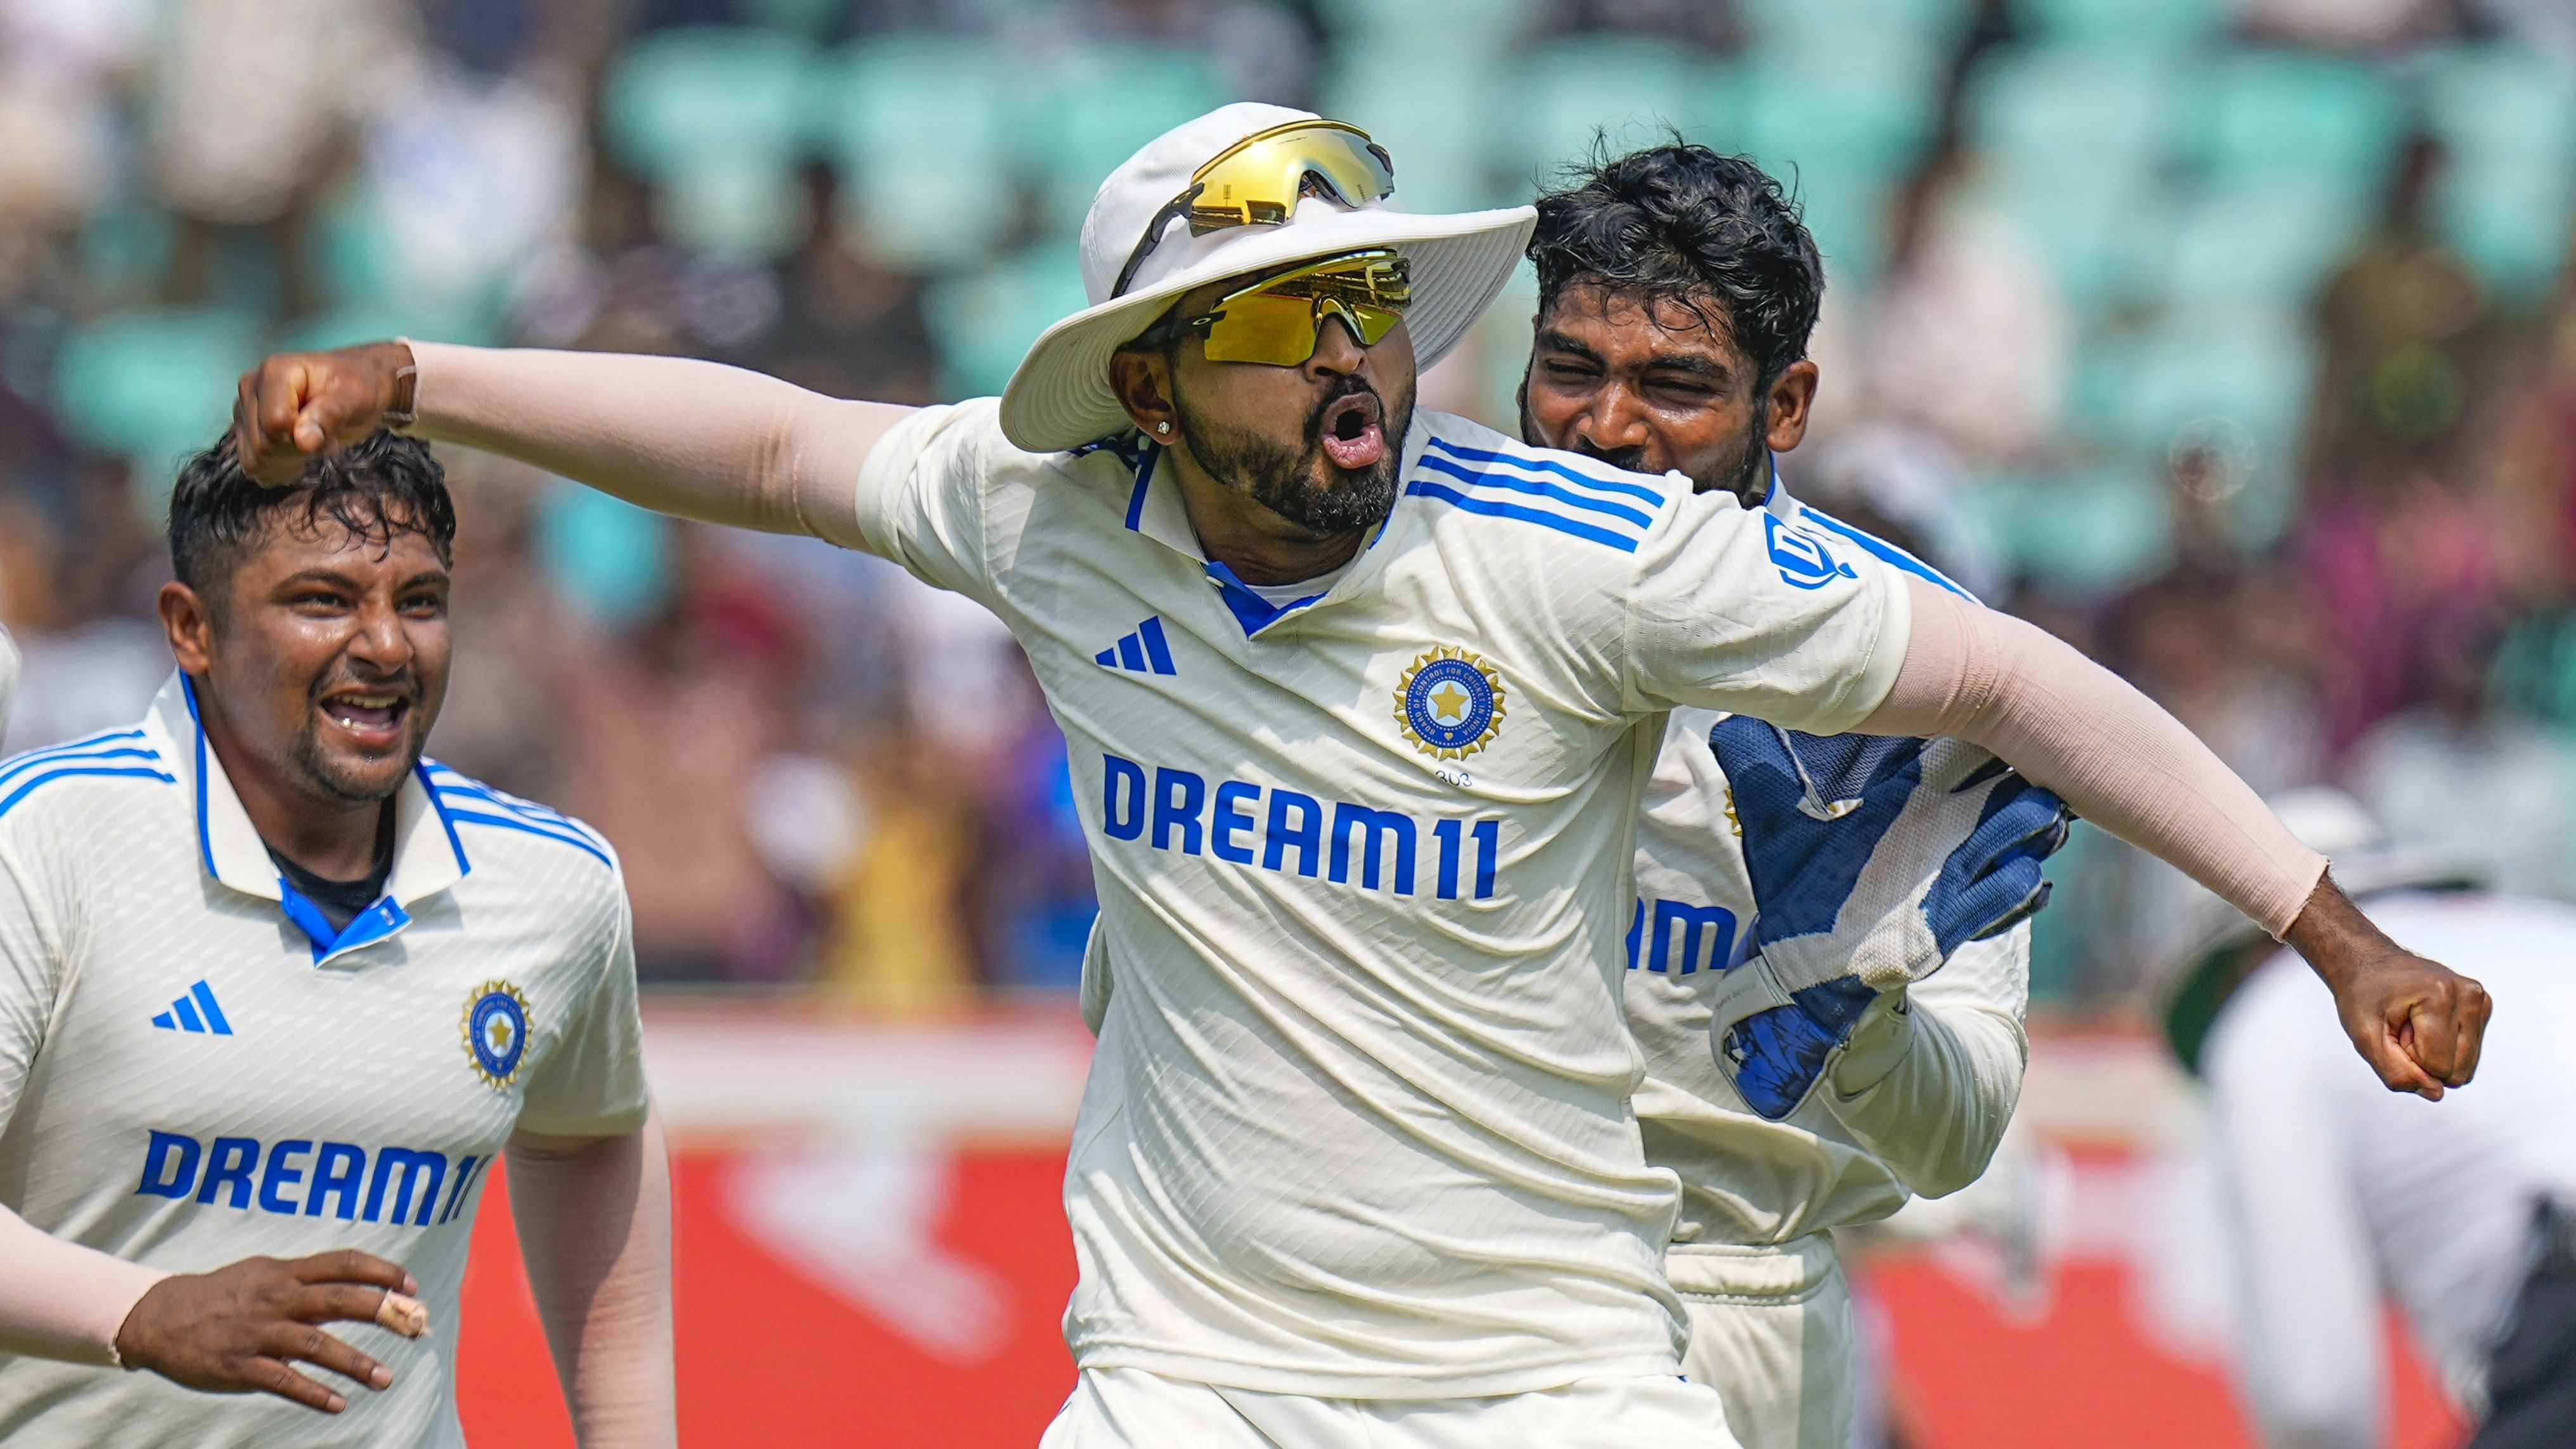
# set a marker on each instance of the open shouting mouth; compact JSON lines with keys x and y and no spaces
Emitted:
{"x":369,"y":716}
{"x":1352,"y":430}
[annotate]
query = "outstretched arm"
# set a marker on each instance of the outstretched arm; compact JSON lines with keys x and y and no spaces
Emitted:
{"x":2134,"y":770}
{"x":695,"y":439}
{"x":594,"y":1218}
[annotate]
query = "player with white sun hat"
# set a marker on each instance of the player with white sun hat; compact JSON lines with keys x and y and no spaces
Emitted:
{"x":1359,"y":702}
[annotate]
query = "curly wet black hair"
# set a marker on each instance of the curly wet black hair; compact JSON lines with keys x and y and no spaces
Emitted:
{"x":1682,"y":223}
{"x":379,"y":488}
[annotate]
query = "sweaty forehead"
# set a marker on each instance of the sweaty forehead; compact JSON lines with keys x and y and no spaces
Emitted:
{"x":1637,"y":325}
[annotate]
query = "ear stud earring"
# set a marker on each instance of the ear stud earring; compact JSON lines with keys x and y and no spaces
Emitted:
{"x":1163,"y":428}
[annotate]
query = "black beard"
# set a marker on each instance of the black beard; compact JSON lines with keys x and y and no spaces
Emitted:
{"x":323,"y":781}
{"x":1306,"y":488}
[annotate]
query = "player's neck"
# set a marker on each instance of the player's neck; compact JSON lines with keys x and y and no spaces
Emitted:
{"x":1259,"y":545}
{"x":334,"y":839}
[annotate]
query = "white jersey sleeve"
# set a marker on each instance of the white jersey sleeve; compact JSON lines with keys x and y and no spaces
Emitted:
{"x":1934,"y":1070}
{"x":591,"y":1084}
{"x":31,"y":930}
{"x":921,"y":495}
{"x":1761,"y":615}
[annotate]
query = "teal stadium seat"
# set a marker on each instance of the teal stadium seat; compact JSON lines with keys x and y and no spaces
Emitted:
{"x":1430,"y":110}
{"x":985,"y":321}
{"x":2507,"y":196}
{"x":2068,"y":108}
{"x":2265,"y":115}
{"x":1458,"y":28}
{"x":2272,"y":239}
{"x":2125,"y":26}
{"x":919,"y":132}
{"x":1870,"y":102}
{"x":1936,"y":23}
{"x":2231,"y":366}
{"x":153,"y":387}
{"x":2076,"y":142}
{"x":1095,"y":109}
{"x":717,"y":119}
{"x":2089,"y":529}
{"x":1628,"y":90}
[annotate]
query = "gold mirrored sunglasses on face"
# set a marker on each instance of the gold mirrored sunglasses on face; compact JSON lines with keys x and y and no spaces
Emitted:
{"x":1276,"y":320}
{"x":1258,"y":181}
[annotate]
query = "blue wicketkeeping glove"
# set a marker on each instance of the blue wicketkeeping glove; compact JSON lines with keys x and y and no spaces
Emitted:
{"x":1872,"y":859}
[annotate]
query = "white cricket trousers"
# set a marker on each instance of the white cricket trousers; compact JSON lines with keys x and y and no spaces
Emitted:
{"x":1771,"y":1329}
{"x":1125,"y":1408}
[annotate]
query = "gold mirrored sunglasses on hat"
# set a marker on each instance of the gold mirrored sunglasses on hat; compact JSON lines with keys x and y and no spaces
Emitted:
{"x":1276,"y":320}
{"x":1258,"y":181}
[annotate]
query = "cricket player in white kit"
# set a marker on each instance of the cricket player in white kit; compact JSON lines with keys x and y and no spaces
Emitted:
{"x":215,"y":1045}
{"x":2337,"y":1196}
{"x":1677,"y":294}
{"x":1360,"y":703}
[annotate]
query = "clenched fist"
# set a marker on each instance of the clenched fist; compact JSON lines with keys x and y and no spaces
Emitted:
{"x":2417,"y":1022}
{"x":240,"y":1328}
{"x":296,"y":406}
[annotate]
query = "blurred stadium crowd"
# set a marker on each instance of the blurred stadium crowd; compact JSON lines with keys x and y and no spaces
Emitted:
{"x":2228,"y":338}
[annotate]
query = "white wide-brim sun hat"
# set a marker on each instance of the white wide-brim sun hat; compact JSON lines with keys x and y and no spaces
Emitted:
{"x":1060,"y":397}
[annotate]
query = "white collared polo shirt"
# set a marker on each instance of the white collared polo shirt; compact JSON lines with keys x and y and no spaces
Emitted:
{"x":1834,"y":1162}
{"x":196,"y":1068}
{"x":1358,"y":1123}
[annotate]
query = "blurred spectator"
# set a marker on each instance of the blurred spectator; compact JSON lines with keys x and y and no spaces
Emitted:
{"x":2456,"y":772}
{"x":1969,"y":337}
{"x":2338,"y":1191}
{"x":255,"y":102}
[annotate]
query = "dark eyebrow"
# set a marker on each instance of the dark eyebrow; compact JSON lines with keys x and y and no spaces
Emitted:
{"x":1691,"y":363}
{"x":1551,"y":340}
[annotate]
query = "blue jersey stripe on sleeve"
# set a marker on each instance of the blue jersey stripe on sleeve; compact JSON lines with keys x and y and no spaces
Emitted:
{"x":526,"y":827}
{"x":1561,"y":494}
{"x":1496,"y":508}
{"x":1886,"y":552}
{"x":67,"y":772}
{"x":1640,"y":491}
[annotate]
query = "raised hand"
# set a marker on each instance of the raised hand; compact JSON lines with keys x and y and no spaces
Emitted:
{"x":2417,"y":1022}
{"x":295,"y":406}
{"x":241,"y":1328}
{"x":1871,"y":859}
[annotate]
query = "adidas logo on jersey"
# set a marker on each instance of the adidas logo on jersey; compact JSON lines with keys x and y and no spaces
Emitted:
{"x":1145,"y":651}
{"x":195,"y":1012}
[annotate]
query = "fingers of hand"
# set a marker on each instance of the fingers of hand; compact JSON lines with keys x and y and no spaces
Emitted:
{"x":402,"y":1314}
{"x":348,"y":1265}
{"x":341,"y":1303}
{"x":273,"y":1376}
{"x":289,"y":1342}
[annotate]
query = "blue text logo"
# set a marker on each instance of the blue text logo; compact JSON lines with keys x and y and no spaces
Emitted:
{"x":300,"y":1176}
{"x":1287,"y":830}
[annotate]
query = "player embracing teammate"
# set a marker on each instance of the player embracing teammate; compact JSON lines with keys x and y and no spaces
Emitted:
{"x":1357,"y":1158}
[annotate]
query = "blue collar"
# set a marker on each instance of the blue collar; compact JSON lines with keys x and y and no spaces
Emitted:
{"x":1159,"y":514}
{"x":428,"y":855}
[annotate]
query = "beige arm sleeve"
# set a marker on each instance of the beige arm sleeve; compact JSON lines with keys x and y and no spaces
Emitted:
{"x":60,"y":1300}
{"x":694,"y":439}
{"x":594,"y":1223}
{"x":2122,"y":762}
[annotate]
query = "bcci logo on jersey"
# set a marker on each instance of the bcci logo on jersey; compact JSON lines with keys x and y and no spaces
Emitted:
{"x":496,"y":1032}
{"x":1450,"y":703}
{"x":1801,"y":555}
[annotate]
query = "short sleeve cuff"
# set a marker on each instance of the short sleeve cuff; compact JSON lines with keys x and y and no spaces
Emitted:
{"x":1886,"y":658}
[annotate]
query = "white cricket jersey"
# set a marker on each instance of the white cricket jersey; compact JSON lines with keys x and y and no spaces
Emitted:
{"x":2337,"y":1190}
{"x":1358,"y":1122}
{"x":194,"y":1068}
{"x":1936,"y":1084}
